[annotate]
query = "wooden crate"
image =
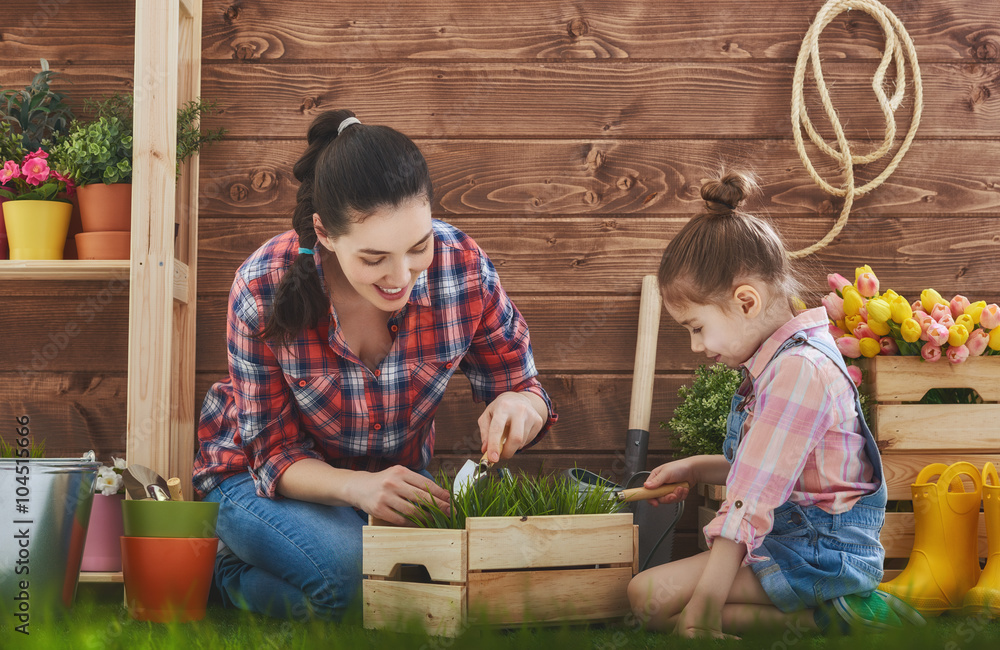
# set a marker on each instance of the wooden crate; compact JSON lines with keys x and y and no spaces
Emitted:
{"x":912,"y":436}
{"x":499,"y":571}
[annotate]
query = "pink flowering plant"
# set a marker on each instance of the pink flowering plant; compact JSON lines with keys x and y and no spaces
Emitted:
{"x":32,"y":179}
{"x":866,"y":322}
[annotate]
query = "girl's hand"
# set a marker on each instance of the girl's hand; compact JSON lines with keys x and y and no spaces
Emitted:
{"x":397,"y":491}
{"x":676,"y":471}
{"x":522,"y":412}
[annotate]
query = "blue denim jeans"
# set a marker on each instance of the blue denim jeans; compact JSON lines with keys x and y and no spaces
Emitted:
{"x":286,"y":558}
{"x":812,"y":555}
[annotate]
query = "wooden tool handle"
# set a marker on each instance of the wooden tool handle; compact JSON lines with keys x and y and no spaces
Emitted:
{"x":484,"y":461}
{"x":645,"y":355}
{"x":174,"y":485}
{"x":641,"y":493}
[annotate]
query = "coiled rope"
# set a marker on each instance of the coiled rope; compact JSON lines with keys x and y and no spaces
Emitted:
{"x":897,"y":45}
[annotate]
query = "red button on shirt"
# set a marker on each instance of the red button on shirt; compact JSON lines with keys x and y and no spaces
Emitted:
{"x":377,"y":427}
{"x":447,"y":365}
{"x":394,"y":328}
{"x":378,"y":372}
{"x":302,"y":382}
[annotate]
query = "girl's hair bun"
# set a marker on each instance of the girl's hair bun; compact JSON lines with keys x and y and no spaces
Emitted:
{"x":727,"y":193}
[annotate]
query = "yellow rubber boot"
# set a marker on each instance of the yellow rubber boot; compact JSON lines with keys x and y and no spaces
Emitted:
{"x":984,"y":598}
{"x":944,"y":563}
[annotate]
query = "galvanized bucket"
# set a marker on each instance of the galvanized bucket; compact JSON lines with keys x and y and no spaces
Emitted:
{"x":45,"y":508}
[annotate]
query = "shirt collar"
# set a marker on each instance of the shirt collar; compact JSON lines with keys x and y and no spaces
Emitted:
{"x":806,"y":319}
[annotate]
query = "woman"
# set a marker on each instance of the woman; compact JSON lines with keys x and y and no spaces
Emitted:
{"x":343,"y":334}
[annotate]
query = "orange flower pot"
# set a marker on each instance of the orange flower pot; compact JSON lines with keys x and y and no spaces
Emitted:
{"x":36,"y":230}
{"x":105,"y":207}
{"x":111,"y":245}
{"x":167,"y":578}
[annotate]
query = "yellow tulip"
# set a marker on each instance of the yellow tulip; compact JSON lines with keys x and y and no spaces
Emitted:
{"x":910,"y":329}
{"x":878,"y":310}
{"x":901,"y":310}
{"x":862,"y":269}
{"x":966,"y":321}
{"x":957,"y":335}
{"x":975,"y":310}
{"x":929,"y":298}
{"x":995,"y":339}
{"x":889,"y":295}
{"x":852,"y":322}
{"x":870,"y":347}
{"x":853,"y":302}
{"x":879,"y":327}
{"x":841,"y":324}
{"x":799,"y":304}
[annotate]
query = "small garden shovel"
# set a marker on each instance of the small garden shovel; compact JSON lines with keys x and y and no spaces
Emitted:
{"x":472,"y":472}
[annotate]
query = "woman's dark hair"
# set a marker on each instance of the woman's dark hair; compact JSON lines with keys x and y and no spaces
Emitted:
{"x":344,"y":179}
{"x":722,"y":247}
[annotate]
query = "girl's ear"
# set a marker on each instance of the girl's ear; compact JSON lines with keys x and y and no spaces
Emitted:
{"x":321,"y":235}
{"x":748,"y":300}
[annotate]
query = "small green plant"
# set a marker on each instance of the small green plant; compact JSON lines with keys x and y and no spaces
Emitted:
{"x":97,"y":152}
{"x":699,"y":422}
{"x":39,"y":114}
{"x":10,"y":143}
{"x":518,"y":496}
{"x":36,"y":450}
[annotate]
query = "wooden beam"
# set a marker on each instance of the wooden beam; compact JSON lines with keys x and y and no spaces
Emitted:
{"x":21,"y":270}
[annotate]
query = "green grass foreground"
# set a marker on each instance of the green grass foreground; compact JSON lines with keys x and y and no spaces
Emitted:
{"x":100,"y":622}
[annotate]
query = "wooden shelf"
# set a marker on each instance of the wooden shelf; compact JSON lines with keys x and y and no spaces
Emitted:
{"x":102,"y":576}
{"x":64,"y":269}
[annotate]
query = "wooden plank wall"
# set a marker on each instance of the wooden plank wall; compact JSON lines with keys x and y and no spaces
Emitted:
{"x":568,"y":138}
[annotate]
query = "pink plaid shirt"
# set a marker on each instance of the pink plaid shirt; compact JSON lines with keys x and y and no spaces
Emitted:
{"x":801,"y":442}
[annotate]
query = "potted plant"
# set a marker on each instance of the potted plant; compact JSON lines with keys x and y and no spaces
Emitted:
{"x":98,"y":157}
{"x":103,"y":551}
{"x":30,"y":119}
{"x":36,"y":212}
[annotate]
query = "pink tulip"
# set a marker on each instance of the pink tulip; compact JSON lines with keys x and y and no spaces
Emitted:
{"x":958,"y":305}
{"x":888,"y":345}
{"x":849,"y":346}
{"x":36,"y":171}
{"x":946,"y":320}
{"x":862,"y":331}
{"x":990,"y":318}
{"x":836,"y":332}
{"x":957,"y":353}
{"x":916,"y":305}
{"x":978,"y":340}
{"x":855,"y":374}
{"x":867,"y":284}
{"x":10,"y":170}
{"x":930,"y":352}
{"x":863,"y":312}
{"x":834,"y":306}
{"x":937,"y":334}
{"x":837,"y":282}
{"x":939,"y":310}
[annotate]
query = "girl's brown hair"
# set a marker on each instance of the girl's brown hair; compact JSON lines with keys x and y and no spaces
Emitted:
{"x":724,"y":246}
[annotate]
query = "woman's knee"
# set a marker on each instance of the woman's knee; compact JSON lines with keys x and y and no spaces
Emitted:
{"x":654,"y":595}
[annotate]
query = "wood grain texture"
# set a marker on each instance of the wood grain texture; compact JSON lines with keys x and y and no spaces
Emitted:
{"x":546,"y":177}
{"x":67,"y":31}
{"x":440,"y":609}
{"x":937,"y":427}
{"x":907,"y":379}
{"x":77,"y":81}
{"x":595,"y":255}
{"x":686,"y":29}
{"x":714,"y":99}
{"x":444,"y":553}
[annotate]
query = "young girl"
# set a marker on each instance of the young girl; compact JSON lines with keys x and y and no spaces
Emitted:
{"x":798,"y":535}
{"x":343,"y":334}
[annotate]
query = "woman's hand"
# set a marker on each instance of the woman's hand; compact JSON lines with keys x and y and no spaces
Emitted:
{"x":397,"y":491}
{"x":685,"y":469}
{"x":524,"y":412}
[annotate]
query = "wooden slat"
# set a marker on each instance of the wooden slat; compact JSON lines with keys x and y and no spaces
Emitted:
{"x":514,"y":597}
{"x":440,"y":609}
{"x":715,"y":99}
{"x":907,"y":379}
{"x":181,"y":278}
{"x":63,"y":32}
{"x":927,"y":427}
{"x":726,"y":30}
{"x":441,"y":552}
{"x":897,"y":534}
{"x":548,"y":541}
{"x":546,"y":177}
{"x":63,"y":270}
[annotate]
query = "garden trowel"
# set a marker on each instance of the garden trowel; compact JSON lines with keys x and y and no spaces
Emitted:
{"x":472,"y":472}
{"x":641,"y":493}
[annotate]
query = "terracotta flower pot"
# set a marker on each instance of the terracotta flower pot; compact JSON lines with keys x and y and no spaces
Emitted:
{"x":167,"y":578}
{"x":105,"y":207}
{"x":36,"y":230}
{"x":111,"y":245}
{"x":103,"y":550}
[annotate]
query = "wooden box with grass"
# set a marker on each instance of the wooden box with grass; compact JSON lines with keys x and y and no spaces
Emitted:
{"x":501,"y":570}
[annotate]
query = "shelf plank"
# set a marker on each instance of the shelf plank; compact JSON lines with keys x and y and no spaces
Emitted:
{"x":181,"y":293}
{"x":102,"y":576}
{"x":64,"y":269}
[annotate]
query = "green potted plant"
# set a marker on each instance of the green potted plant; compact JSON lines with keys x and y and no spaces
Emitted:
{"x":98,"y":156}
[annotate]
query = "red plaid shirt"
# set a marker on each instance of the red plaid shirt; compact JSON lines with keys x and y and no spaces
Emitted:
{"x":315,"y":399}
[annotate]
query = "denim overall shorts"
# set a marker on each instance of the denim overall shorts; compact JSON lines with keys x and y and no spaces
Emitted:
{"x":813,"y":556}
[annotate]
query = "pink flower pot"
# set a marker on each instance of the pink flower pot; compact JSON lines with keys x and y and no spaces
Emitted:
{"x":103,"y":551}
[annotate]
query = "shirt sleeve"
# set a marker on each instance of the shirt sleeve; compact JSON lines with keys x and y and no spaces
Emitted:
{"x":793,"y":411}
{"x":267,"y":418}
{"x":500,"y":357}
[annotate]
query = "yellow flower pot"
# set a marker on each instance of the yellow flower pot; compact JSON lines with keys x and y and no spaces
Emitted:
{"x":36,"y":230}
